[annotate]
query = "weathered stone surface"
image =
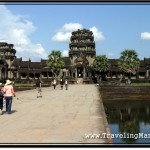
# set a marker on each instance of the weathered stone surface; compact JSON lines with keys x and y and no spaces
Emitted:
{"x":60,"y":116}
{"x":125,"y":93}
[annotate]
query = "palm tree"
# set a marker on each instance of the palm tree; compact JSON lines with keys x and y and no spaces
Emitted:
{"x":101,"y":66}
{"x":129,"y":62}
{"x":55,"y":62}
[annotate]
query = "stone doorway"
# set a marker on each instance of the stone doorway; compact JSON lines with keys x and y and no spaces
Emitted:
{"x":80,"y":72}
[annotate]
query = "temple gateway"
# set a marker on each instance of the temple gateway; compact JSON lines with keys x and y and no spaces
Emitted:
{"x":78,"y":65}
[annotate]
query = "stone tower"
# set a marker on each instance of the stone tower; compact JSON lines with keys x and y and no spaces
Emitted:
{"x":82,"y":52}
{"x":7,"y":56}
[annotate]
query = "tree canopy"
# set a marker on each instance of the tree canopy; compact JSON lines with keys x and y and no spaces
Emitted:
{"x":55,"y":61}
{"x":129,"y":61}
{"x":101,"y":66}
{"x":101,"y":63}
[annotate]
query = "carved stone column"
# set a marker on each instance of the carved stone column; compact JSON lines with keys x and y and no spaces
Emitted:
{"x":76,"y":73}
{"x":84,"y":73}
{"x":147,"y":73}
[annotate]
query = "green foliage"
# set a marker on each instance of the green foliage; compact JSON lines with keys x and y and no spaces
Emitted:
{"x":55,"y":61}
{"x":129,"y":61}
{"x":101,"y":63}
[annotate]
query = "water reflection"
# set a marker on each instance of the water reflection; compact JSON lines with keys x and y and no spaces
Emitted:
{"x":130,"y":117}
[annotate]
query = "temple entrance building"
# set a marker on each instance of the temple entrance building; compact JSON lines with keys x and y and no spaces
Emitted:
{"x":82,"y":53}
{"x":78,"y":65}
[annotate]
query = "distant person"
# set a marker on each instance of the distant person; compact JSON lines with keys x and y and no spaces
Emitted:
{"x":1,"y":98}
{"x":61,"y":84}
{"x":54,"y":83}
{"x":78,"y":81}
{"x":38,"y":87}
{"x":66,"y":84}
{"x":8,"y":94}
{"x":129,"y":81}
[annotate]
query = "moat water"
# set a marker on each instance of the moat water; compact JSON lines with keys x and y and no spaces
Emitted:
{"x":130,"y":119}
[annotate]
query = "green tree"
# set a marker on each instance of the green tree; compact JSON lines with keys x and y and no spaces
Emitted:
{"x":55,"y":62}
{"x":129,"y":62}
{"x":101,"y":66}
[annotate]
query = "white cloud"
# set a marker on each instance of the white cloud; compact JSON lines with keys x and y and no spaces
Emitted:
{"x":98,"y":36}
{"x":71,"y":27}
{"x":62,"y":37}
{"x":145,"y":35}
{"x":15,"y":29}
{"x":64,"y":33}
{"x":65,"y":53}
{"x":33,"y":51}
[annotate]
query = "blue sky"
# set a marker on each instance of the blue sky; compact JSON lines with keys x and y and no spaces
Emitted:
{"x":35,"y":30}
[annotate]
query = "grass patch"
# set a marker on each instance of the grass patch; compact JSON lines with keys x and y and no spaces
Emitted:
{"x":137,"y":84}
{"x":116,"y":83}
{"x":28,"y":85}
{"x":23,"y":85}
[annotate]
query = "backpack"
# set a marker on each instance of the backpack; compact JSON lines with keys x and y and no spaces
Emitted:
{"x":37,"y":83}
{"x":1,"y":94}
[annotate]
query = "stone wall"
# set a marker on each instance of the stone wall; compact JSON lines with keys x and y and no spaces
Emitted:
{"x":125,"y":93}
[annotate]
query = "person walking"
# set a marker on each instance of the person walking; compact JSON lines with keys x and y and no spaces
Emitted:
{"x":8,"y":94}
{"x":54,"y":83}
{"x":1,"y":99}
{"x":61,"y":84}
{"x":38,"y":87}
{"x":66,"y":84}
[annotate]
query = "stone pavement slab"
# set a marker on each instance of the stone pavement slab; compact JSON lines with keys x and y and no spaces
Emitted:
{"x":60,"y":116}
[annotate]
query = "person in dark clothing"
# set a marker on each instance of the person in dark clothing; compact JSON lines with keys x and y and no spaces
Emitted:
{"x":66,"y":84}
{"x":38,"y":87}
{"x":1,"y":99}
{"x":54,"y":83}
{"x":61,"y":84}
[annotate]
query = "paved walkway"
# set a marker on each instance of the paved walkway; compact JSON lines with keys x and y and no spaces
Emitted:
{"x":60,"y":116}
